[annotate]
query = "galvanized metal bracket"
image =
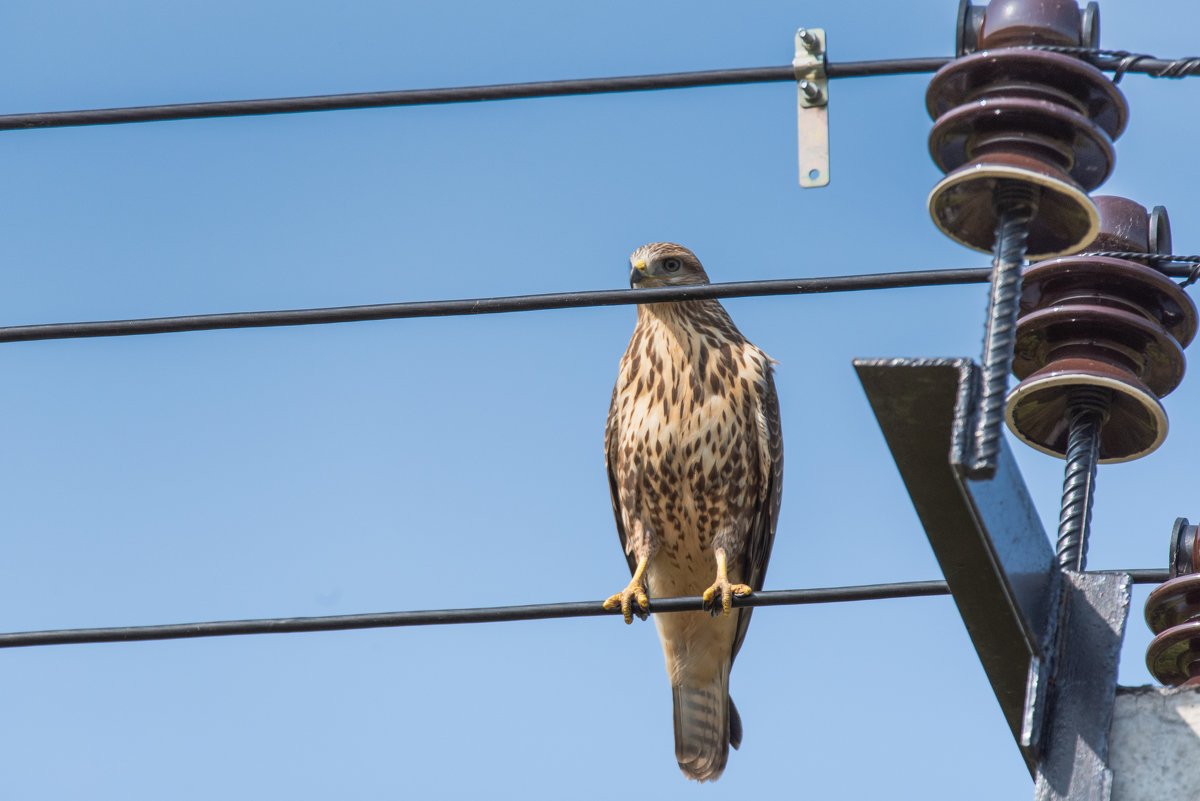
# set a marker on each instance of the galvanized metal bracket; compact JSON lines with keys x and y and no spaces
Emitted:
{"x":812,"y":106}
{"x":1079,"y":705}
{"x":986,"y":535}
{"x":1048,"y":640}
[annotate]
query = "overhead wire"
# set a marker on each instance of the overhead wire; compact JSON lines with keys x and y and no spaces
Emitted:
{"x":490,"y":305}
{"x":513,"y":303}
{"x":1120,"y":63}
{"x":455,"y":94}
{"x":495,"y":614}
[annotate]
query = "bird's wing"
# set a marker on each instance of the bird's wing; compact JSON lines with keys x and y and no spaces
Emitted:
{"x":761,"y":535}
{"x":611,"y":439}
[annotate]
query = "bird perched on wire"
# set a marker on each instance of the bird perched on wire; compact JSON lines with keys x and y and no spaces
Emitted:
{"x":695,"y":467}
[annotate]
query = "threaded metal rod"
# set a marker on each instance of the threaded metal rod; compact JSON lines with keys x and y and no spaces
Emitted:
{"x":1086,"y":414}
{"x":1015,"y":204}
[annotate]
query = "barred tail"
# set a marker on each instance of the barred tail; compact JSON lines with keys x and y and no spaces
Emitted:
{"x":706,"y":724}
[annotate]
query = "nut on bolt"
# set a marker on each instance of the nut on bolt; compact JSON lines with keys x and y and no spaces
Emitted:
{"x":808,"y":39}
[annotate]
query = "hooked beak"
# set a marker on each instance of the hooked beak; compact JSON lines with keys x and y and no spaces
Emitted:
{"x":637,"y":272}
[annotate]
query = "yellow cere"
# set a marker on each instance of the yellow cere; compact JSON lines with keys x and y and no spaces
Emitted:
{"x":640,"y":264}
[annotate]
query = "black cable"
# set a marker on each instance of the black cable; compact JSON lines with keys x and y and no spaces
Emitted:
{"x":456,"y":94}
{"x":495,"y":614}
{"x":1159,"y":261}
{"x":1122,"y":62}
{"x":440,"y":617}
{"x":511,"y":303}
{"x":516,"y":303}
{"x":1144,"y":576}
{"x":1155,"y":67}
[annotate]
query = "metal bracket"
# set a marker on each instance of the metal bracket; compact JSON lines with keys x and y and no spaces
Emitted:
{"x":812,"y":111}
{"x":1049,"y":639}
{"x":1079,"y":707}
{"x":986,"y":535}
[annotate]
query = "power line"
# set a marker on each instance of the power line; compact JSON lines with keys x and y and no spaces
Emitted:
{"x":439,"y":617}
{"x":494,"y":614}
{"x":491,"y":305}
{"x":514,"y":91}
{"x":455,"y":94}
{"x":1146,"y":576}
{"x":516,"y":303}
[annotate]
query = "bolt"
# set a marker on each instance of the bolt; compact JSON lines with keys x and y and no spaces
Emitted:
{"x":811,"y":90}
{"x":809,"y":39}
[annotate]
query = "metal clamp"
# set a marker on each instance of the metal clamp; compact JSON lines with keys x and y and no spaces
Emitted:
{"x":812,"y":95}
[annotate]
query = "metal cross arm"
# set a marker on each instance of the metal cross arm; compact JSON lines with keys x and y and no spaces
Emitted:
{"x":985,"y":534}
{"x":1020,"y":609}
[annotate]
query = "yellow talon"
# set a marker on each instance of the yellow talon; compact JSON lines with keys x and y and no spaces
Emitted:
{"x":725,"y":590}
{"x":635,"y":592}
{"x":626,"y":599}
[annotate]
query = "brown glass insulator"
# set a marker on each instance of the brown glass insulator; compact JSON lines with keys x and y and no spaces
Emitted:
{"x":1173,"y":613}
{"x":1009,"y":113}
{"x":1092,"y":321}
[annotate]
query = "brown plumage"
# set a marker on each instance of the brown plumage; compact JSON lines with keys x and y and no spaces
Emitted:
{"x":695,"y":466}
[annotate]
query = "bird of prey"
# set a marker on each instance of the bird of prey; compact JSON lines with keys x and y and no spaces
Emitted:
{"x":695,"y":467}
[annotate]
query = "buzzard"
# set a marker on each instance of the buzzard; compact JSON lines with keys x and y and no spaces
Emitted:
{"x":695,"y":468}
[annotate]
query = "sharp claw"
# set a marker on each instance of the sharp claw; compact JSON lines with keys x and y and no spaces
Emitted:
{"x":727,"y":592}
{"x":631,"y":602}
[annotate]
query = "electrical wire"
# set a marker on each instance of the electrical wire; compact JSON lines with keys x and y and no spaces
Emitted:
{"x":492,"y":305}
{"x":1155,"y":67}
{"x":495,"y":614}
{"x":511,"y":303}
{"x":455,"y":94}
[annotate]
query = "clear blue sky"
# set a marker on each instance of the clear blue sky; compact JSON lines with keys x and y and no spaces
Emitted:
{"x":457,"y":462}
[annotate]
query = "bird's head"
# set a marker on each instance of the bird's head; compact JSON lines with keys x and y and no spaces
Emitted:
{"x":664,"y":264}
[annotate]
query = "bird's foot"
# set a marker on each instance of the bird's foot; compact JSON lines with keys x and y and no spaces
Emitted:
{"x":718,"y":598}
{"x":631,"y":601}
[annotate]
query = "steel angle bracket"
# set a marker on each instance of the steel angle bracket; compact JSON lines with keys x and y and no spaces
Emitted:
{"x":812,"y":106}
{"x":1049,"y":640}
{"x":986,"y":535}
{"x":1079,"y":704}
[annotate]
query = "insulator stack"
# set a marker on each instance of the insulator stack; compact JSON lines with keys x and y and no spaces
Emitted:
{"x":1173,"y":613}
{"x":1090,"y":323}
{"x":1023,"y":134}
{"x":1010,"y":114}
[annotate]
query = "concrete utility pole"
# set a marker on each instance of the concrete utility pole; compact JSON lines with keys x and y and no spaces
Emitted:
{"x":1155,"y":737}
{"x":1154,"y":745}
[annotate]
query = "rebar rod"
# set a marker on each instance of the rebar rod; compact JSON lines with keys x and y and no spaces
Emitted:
{"x":1015,"y":204}
{"x":1087,"y":413}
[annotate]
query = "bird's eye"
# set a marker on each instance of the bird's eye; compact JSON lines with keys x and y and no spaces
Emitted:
{"x":672,"y":265}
